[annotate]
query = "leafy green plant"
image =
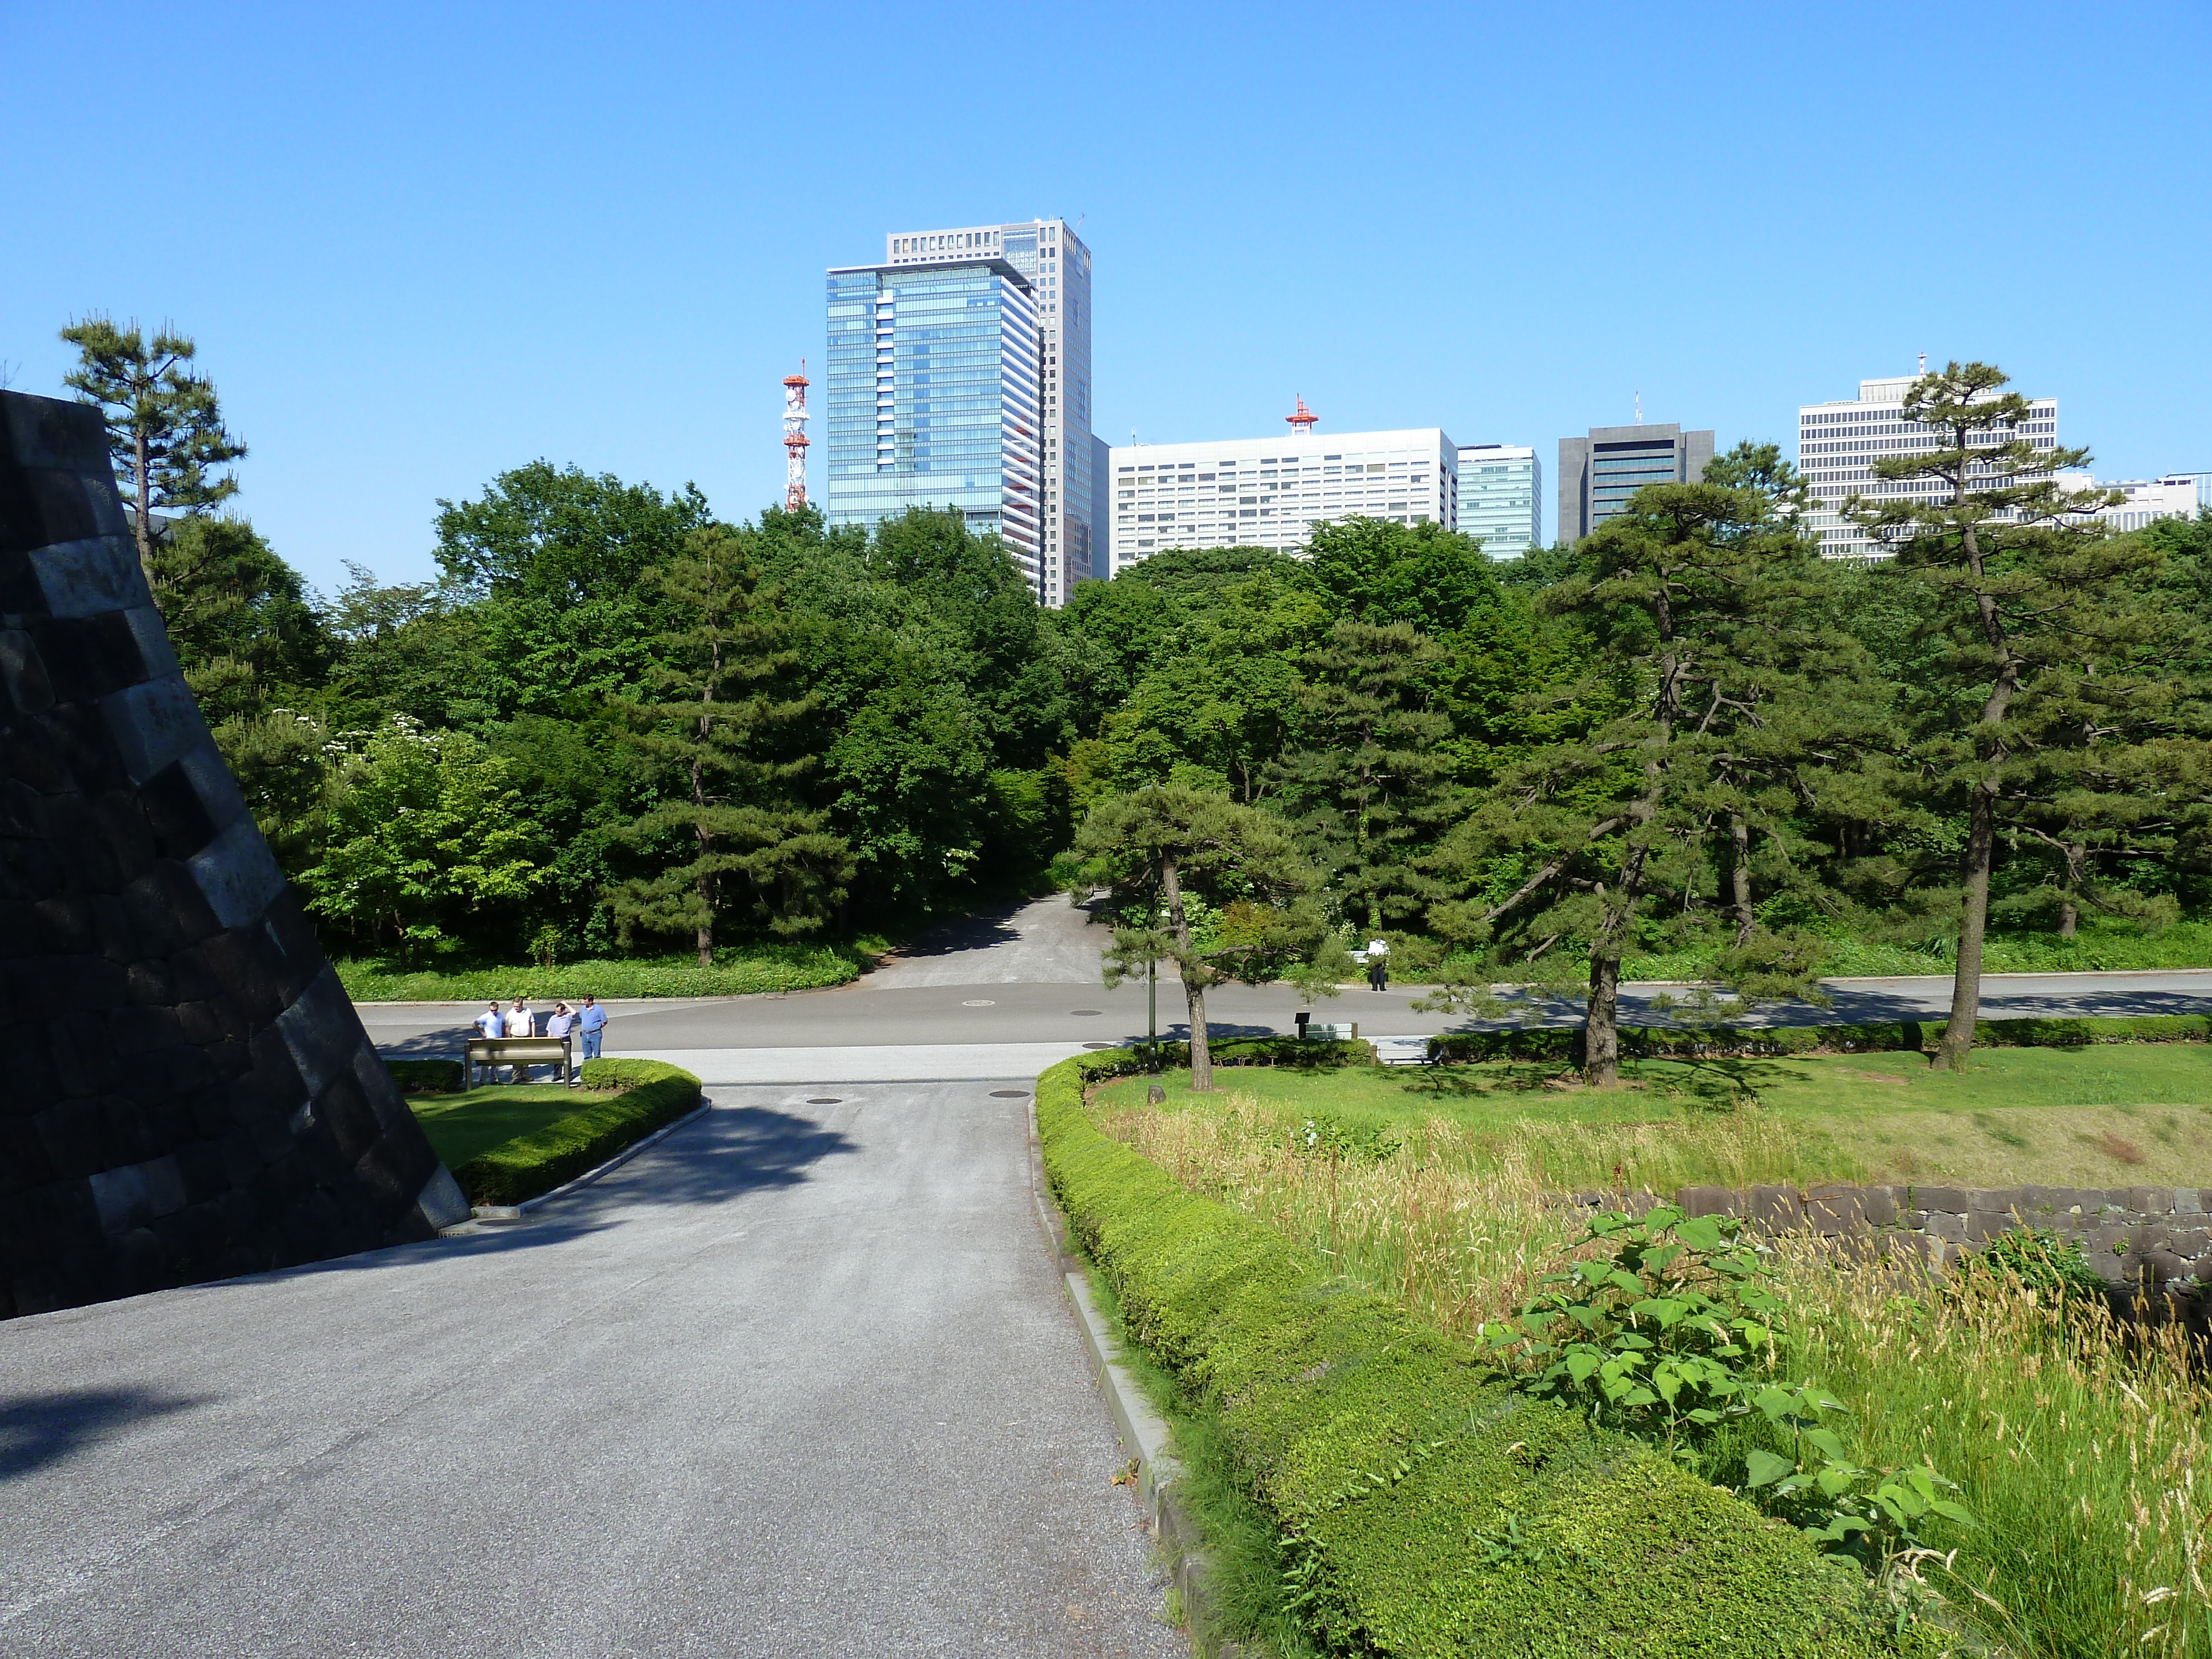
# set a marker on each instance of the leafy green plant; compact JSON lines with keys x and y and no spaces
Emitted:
{"x":1328,"y":1138}
{"x":2039,"y":1259}
{"x":1676,"y":1338}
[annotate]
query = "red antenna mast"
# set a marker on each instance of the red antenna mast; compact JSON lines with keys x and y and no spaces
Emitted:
{"x":794,"y":440}
{"x":1302,"y":422}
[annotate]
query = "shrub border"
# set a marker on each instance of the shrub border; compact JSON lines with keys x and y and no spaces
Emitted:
{"x":1565,"y":1043}
{"x":531,"y":1166}
{"x":1432,"y":1510}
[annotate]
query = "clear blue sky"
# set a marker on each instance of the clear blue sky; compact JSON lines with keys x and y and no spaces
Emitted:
{"x":419,"y":245}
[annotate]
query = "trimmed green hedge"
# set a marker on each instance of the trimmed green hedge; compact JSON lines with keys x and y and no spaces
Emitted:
{"x":1309,"y":1054}
{"x":1430,"y":1511}
{"x":428,"y":1077}
{"x":530,"y":1165}
{"x":1659,"y":1043}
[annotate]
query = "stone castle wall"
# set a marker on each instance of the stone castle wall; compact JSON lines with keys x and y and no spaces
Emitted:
{"x":186,"y":1092}
{"x":2132,"y":1236}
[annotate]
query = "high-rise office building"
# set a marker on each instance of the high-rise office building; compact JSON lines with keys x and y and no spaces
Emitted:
{"x":2148,"y":499}
{"x":1838,"y":444}
{"x":1599,"y":473}
{"x":1047,"y":252}
{"x":1501,"y":491}
{"x":934,"y":397}
{"x":1270,"y":492}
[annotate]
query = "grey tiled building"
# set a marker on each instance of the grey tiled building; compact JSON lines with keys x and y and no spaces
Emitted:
{"x":1599,"y":473}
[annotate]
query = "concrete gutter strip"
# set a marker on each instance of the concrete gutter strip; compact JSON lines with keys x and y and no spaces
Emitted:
{"x":512,"y":1212}
{"x":1144,"y":1432}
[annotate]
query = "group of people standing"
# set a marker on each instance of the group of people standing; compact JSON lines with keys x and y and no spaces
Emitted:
{"x":588,"y":1022}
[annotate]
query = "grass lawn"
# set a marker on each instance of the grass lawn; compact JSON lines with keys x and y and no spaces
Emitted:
{"x":738,"y":970}
{"x":462,"y":1125}
{"x":2107,"y":1115}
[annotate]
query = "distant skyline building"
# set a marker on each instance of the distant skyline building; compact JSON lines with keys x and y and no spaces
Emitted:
{"x":1270,"y":492}
{"x":2149,"y":499}
{"x":934,"y":397}
{"x":1058,"y":266}
{"x":1838,"y":442}
{"x":1600,"y":472}
{"x":1501,"y":494}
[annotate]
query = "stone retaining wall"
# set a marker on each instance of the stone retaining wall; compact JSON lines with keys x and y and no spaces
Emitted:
{"x":188,"y":1093}
{"x":2128,"y":1235}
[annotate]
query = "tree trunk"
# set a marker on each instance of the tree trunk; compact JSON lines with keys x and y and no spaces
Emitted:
{"x":1601,"y":1027}
{"x":1973,"y":922}
{"x":1193,"y":987}
{"x":1739,"y":876}
{"x":142,"y":531}
{"x":1981,"y":830}
{"x":2069,"y":909}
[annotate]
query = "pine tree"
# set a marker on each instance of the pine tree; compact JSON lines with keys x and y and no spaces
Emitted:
{"x":164,"y":428}
{"x":1366,"y":780}
{"x":1219,"y":888}
{"x":1712,"y":705}
{"x":2026,"y":587}
{"x":715,"y":737}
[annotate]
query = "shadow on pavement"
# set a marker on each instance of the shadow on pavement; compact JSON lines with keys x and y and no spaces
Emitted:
{"x":979,"y":932}
{"x":36,"y":1430}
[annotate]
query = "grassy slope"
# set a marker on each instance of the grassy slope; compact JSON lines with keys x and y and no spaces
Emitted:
{"x":2109,"y":1116}
{"x":461,"y":1126}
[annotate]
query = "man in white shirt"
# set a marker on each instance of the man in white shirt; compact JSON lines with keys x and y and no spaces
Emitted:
{"x":490,"y":1025}
{"x":520,"y":1022}
{"x":1378,"y":964}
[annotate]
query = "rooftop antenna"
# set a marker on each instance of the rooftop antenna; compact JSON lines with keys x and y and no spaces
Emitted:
{"x":794,"y":440}
{"x":1923,"y":363}
{"x":1302,"y":423}
{"x":1639,"y":409}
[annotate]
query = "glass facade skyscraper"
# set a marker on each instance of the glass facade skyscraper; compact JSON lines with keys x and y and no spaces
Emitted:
{"x":935,"y":397}
{"x":1071,"y":533}
{"x":1501,"y":491}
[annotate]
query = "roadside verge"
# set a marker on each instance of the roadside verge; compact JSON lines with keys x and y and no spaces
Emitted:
{"x":1425,"y":1507}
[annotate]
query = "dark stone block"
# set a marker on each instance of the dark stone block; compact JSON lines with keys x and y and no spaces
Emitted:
{"x":23,"y":1159}
{"x":65,"y":925}
{"x":152,"y":986}
{"x":129,"y":840}
{"x":1707,"y":1200}
{"x":23,"y":679}
{"x":111,"y":921}
{"x":1879,"y":1205}
{"x":322,"y":1030}
{"x":196,"y":984}
{"x":201,"y":1023}
{"x":40,"y":506}
{"x":2150,"y":1200}
{"x":345,"y":1112}
{"x":89,"y":657}
{"x":247,"y":966}
{"x":176,"y":819}
{"x":140,"y":1031}
{"x":73,"y":1132}
{"x":1831,"y":1210}
{"x":231,"y":1059}
{"x":29,"y":751}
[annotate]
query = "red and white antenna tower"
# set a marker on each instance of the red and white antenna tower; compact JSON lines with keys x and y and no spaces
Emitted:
{"x":1303,"y":422}
{"x":794,"y":440}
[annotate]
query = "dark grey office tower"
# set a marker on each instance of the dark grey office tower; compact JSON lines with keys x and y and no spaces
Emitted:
{"x":1599,"y":473}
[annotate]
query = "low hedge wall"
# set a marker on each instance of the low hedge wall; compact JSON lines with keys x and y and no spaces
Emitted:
{"x":1564,"y":1043}
{"x":1429,"y":1510}
{"x":428,"y":1077}
{"x":530,"y":1164}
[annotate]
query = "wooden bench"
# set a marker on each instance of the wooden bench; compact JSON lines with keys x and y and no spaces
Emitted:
{"x":492,"y":1053}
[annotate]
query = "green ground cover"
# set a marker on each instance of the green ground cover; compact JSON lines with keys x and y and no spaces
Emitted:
{"x":2110,"y":1114}
{"x":462,"y":1127}
{"x":2099,"y":947}
{"x":740,"y":970}
{"x":1417,"y":1503}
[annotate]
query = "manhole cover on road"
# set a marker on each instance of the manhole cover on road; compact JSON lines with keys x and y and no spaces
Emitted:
{"x":1086,"y":1010}
{"x":986,"y":1003}
{"x":825,"y":1100}
{"x":1009,"y":1094}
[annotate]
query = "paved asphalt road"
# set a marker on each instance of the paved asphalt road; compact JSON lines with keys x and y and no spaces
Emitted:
{"x":1031,"y":976}
{"x":801,"y":1379}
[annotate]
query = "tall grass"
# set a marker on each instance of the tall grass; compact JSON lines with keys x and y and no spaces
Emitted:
{"x":2077,"y":1443}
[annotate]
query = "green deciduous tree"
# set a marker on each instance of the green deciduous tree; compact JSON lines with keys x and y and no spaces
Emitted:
{"x":1159,"y":850}
{"x":2024,"y":589}
{"x":425,"y":844}
{"x":728,"y":828}
{"x":165,"y":428}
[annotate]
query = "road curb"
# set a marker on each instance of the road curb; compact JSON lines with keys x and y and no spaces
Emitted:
{"x":1143,"y":1431}
{"x":495,"y":1215}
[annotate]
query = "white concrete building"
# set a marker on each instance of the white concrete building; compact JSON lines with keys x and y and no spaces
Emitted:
{"x":1270,"y":492}
{"x":1838,"y":442}
{"x":1501,"y":494}
{"x":1058,"y":266}
{"x":2148,"y":499}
